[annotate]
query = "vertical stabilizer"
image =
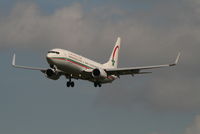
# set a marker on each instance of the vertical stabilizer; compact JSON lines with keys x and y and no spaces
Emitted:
{"x":113,"y":61}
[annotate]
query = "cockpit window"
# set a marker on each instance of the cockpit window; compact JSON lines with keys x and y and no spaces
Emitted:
{"x":54,"y":52}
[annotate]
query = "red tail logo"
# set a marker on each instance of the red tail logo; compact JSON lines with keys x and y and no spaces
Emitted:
{"x":113,"y":56}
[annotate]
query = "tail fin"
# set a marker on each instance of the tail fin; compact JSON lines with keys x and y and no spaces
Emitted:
{"x":113,"y":61}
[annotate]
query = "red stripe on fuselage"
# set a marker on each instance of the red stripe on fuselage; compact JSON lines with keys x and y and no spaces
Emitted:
{"x":78,"y":64}
{"x":72,"y":62}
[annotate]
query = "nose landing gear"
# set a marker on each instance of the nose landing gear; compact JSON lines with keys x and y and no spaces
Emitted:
{"x":70,"y":83}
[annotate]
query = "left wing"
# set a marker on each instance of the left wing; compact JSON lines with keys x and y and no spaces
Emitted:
{"x":25,"y":67}
{"x":137,"y":70}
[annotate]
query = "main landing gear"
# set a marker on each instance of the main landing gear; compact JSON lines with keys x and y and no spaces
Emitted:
{"x":70,"y":83}
{"x":97,"y":84}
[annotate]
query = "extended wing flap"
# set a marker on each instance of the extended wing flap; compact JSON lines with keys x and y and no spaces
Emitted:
{"x":122,"y":71}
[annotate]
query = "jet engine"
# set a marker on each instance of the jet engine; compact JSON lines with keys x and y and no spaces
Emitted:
{"x":52,"y":74}
{"x":99,"y":73}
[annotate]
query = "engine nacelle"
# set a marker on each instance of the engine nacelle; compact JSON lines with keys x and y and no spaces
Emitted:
{"x":52,"y":74}
{"x":99,"y":73}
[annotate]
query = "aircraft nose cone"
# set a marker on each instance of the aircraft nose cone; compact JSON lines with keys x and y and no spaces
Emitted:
{"x":49,"y":60}
{"x":48,"y":56}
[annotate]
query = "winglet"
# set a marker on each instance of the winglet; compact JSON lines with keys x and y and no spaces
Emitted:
{"x":13,"y":61}
{"x":177,"y":59}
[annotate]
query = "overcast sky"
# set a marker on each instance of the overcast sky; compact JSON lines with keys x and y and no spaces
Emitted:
{"x":152,"y":31}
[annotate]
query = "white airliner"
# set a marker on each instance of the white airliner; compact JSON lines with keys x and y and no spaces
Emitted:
{"x":74,"y":66}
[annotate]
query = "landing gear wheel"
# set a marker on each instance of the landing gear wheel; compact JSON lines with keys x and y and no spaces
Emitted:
{"x":95,"y":84}
{"x":99,"y":85}
{"x":72,"y":84}
{"x":68,"y":84}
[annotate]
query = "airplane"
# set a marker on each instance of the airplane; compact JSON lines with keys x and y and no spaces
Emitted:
{"x":74,"y":66}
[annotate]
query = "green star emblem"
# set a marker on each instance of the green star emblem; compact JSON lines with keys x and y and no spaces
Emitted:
{"x":113,"y":62}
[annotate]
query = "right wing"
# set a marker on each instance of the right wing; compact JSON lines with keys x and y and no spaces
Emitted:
{"x":137,"y":70}
{"x":26,"y":67}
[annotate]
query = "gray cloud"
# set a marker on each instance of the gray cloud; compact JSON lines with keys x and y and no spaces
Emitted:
{"x":175,"y":93}
{"x":163,"y":29}
{"x":194,"y":128}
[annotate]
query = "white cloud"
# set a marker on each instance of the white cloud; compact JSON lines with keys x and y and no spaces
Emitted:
{"x":27,"y":26}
